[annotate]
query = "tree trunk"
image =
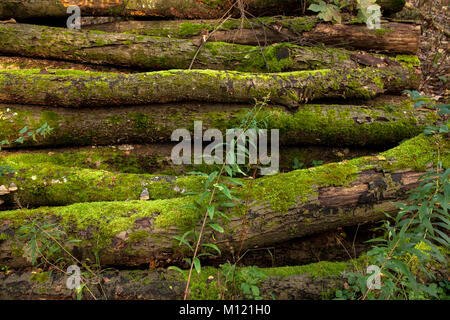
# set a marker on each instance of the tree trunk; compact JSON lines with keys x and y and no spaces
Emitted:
{"x":327,"y":125}
{"x":81,"y":89}
{"x":281,"y":207}
{"x":391,"y":37}
{"x":155,"y":158}
{"x":315,"y":281}
{"x":156,"y":53}
{"x":294,"y":283}
{"x":180,"y":9}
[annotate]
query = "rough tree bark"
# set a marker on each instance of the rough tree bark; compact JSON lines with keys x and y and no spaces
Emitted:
{"x":314,"y":281}
{"x":81,"y":89}
{"x":22,"y":9}
{"x":156,"y":53}
{"x":391,"y":37}
{"x":381,"y":124}
{"x":282,"y":207}
{"x":44,"y":182}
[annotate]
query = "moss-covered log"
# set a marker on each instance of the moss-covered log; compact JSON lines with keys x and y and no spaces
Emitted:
{"x":391,"y":37}
{"x":156,"y":53}
{"x":380,"y":125}
{"x":186,"y":9}
{"x":314,"y":281}
{"x":155,"y":158}
{"x":282,"y":207}
{"x":17,"y":62}
{"x":68,"y":88}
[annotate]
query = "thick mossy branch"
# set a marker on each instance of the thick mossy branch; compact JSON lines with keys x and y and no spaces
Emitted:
{"x":282,"y":207}
{"x":184,"y":9}
{"x":156,"y":53}
{"x":380,"y":123}
{"x":390,"y":37}
{"x":84,"y":89}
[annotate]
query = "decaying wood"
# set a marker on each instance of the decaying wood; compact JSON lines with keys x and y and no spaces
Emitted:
{"x":391,"y":37}
{"x":157,"y":284}
{"x":366,"y":193}
{"x":156,"y":53}
{"x":309,"y":124}
{"x":296,"y":284}
{"x":82,"y":89}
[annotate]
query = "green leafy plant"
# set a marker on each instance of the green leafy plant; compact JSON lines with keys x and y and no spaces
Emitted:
{"x":317,"y":163}
{"x":330,"y":11}
{"x":214,"y":200}
{"x":414,"y":238}
{"x":47,"y":245}
{"x":297,"y":164}
{"x":327,"y":11}
{"x":24,"y":133}
{"x":421,"y":101}
{"x":363,"y":8}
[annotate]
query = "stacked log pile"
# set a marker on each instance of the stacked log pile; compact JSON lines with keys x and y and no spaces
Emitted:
{"x":136,"y":81}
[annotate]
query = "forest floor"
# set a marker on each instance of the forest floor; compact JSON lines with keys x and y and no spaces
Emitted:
{"x":434,"y":52}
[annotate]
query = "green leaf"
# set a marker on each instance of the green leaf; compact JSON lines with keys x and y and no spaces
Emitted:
{"x":216,"y":227}
{"x":20,"y":140}
{"x":211,"y":177}
{"x":24,"y":129}
{"x":211,"y":210}
{"x":175,"y":269}
{"x":212,"y":246}
{"x":197,"y":265}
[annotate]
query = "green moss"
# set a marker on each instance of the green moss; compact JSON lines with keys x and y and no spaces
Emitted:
{"x":416,"y":153}
{"x":382,"y":31}
{"x":138,"y":236}
{"x":40,"y":277}
{"x":192,"y":29}
{"x":205,"y":286}
{"x":320,"y":269}
{"x":408,"y":60}
{"x":102,"y":221}
{"x":283,"y":191}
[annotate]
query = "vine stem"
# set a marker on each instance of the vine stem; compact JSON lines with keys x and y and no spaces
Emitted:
{"x":205,"y":218}
{"x":75,"y":259}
